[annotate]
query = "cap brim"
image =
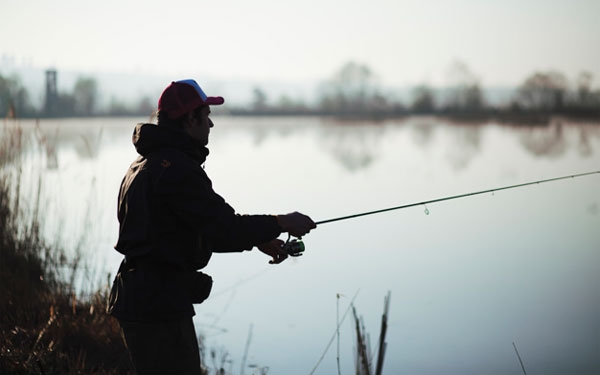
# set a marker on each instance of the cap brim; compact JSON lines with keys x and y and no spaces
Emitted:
{"x":214,"y":100}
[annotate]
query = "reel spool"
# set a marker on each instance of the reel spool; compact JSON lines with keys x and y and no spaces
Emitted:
{"x":294,"y":247}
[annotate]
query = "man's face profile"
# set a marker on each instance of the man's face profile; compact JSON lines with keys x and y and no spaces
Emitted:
{"x":199,"y":124}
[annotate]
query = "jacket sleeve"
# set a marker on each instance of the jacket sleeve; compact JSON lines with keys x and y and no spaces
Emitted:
{"x":195,"y":204}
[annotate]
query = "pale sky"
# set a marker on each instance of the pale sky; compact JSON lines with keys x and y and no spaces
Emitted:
{"x":402,"y":41}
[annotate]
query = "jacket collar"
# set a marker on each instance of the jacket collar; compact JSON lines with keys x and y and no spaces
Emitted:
{"x":148,"y":138}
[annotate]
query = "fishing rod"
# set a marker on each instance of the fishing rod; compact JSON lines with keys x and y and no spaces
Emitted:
{"x":423,"y":203}
{"x":295,"y":247}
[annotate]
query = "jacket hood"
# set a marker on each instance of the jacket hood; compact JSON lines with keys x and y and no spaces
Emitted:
{"x":150,"y":137}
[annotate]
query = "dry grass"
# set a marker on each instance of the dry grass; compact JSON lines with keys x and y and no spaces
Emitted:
{"x":364,"y":355}
{"x":45,"y":328}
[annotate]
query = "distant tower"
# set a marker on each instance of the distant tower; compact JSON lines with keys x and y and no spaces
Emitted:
{"x":51,"y":105}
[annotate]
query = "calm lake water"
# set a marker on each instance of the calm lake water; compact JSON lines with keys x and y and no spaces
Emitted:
{"x":467,"y":277}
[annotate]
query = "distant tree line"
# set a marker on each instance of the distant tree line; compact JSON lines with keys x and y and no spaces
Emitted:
{"x":81,"y":101}
{"x":351,"y":91}
{"x":14,"y":98}
{"x":355,"y":91}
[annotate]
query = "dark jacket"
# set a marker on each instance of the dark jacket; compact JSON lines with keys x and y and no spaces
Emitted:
{"x":171,"y":221}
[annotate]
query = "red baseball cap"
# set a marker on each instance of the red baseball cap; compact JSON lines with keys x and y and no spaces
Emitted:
{"x":181,"y":97}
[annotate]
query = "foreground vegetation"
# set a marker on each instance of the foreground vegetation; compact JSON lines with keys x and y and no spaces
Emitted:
{"x":45,"y":326}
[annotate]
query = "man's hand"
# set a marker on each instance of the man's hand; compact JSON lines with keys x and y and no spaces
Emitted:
{"x":296,"y":224}
{"x":274,"y":249}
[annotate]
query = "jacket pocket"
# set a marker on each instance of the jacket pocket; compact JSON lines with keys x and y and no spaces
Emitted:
{"x":200,"y":287}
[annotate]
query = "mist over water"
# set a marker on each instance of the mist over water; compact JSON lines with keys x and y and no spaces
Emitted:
{"x":467,"y":279}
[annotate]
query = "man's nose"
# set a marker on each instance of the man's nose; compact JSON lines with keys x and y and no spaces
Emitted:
{"x":210,"y":123}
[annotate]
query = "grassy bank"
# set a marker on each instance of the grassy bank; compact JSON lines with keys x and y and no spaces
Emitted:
{"x":45,"y":326}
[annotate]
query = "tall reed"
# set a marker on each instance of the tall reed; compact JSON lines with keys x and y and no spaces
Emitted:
{"x":45,"y":326}
{"x":364,"y":355}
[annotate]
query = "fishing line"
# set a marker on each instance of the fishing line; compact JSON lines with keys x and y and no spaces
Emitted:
{"x":425,"y":203}
{"x":334,"y":334}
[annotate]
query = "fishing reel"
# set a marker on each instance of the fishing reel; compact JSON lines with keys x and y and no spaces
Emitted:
{"x":293,"y":247}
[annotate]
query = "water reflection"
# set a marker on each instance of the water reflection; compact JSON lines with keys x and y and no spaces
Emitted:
{"x":354,"y":146}
{"x":83,"y":136}
{"x":557,"y":139}
{"x":545,"y":141}
{"x":584,"y":144}
{"x":422,"y":131}
{"x":593,"y":208}
{"x":464,"y":145}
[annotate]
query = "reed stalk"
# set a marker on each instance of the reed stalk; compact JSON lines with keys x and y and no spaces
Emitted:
{"x":364,"y":358}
